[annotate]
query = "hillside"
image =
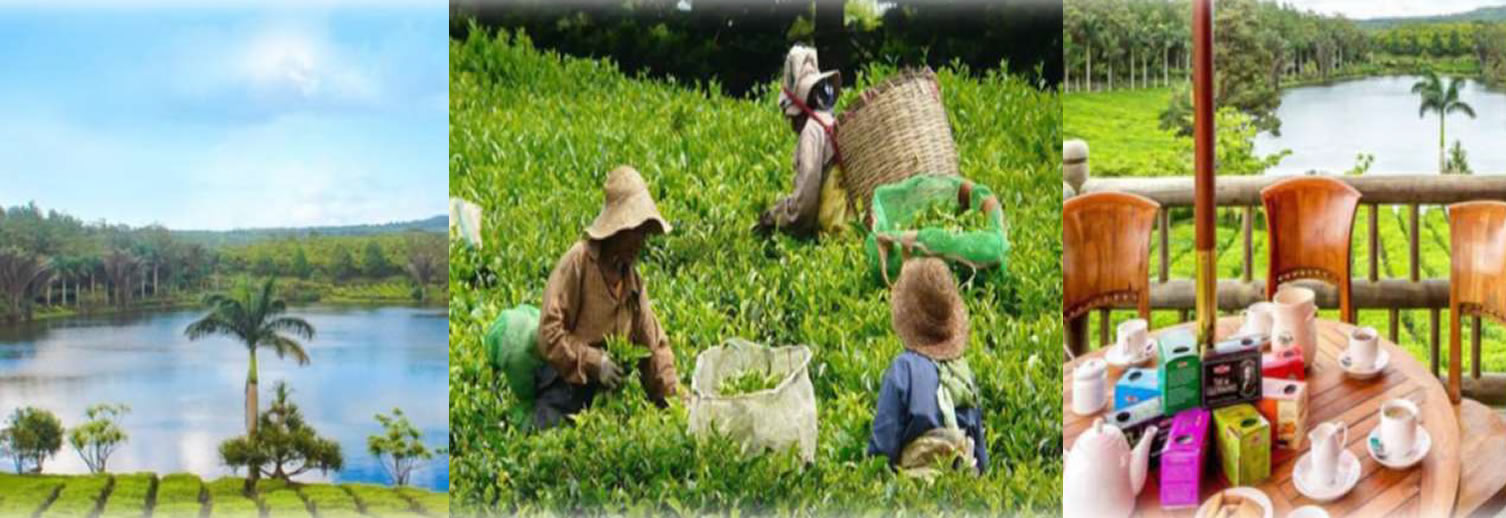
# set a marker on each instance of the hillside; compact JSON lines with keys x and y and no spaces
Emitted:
{"x":436,"y":224}
{"x":186,"y":495}
{"x":1482,"y":14}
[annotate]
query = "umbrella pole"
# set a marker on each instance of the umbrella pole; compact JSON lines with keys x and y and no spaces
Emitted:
{"x":1202,"y":137}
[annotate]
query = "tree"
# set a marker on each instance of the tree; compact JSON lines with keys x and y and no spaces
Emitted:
{"x":300,"y":264}
{"x":282,"y":446}
{"x":399,"y":448}
{"x":374,"y":261}
{"x":427,"y":260}
{"x":21,"y":273}
{"x":1458,"y":160}
{"x":1437,"y":98}
{"x":33,"y":435}
{"x":120,"y":269}
{"x":342,"y":266}
{"x":254,"y":317}
{"x":97,"y":438}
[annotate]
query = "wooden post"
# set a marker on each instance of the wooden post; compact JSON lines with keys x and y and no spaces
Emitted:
{"x":1103,"y":327}
{"x":1474,"y":349}
{"x":1249,"y":231}
{"x":1413,"y":239}
{"x":1374,"y":243}
{"x":1077,"y":335}
{"x":1395,"y":331}
{"x":1165,"y":244}
{"x":1203,"y":142}
{"x":1434,"y":341}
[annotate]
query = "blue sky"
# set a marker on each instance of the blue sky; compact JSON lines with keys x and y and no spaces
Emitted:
{"x":226,"y":117}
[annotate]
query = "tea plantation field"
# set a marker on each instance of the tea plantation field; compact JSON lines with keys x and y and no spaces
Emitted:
{"x":532,"y":135}
{"x":185,"y":495}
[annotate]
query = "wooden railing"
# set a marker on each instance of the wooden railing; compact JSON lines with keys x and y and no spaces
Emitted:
{"x":1242,"y":193}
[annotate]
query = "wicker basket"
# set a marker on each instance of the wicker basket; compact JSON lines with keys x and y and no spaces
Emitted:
{"x":894,"y":131}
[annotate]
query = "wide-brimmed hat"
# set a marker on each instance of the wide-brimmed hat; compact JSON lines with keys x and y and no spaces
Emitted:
{"x":802,"y":72}
{"x":927,"y":310}
{"x":627,"y":205}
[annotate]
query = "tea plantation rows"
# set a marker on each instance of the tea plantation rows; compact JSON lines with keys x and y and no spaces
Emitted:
{"x":532,"y":136}
{"x":186,"y":496}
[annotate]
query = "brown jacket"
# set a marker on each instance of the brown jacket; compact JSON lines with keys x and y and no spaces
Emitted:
{"x":580,"y":311}
{"x":814,"y":155}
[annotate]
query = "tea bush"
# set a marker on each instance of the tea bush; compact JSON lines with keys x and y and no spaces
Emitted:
{"x":25,"y":495}
{"x":128,"y":496}
{"x":380,"y":501}
{"x":329,"y":501}
{"x":427,"y":503}
{"x":532,"y":137}
{"x":79,"y":497}
{"x":284,"y":502}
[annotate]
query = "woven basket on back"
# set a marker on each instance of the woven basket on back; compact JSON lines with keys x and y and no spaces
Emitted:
{"x":894,"y":131}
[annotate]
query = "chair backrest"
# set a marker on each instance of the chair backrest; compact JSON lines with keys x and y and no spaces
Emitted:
{"x":1106,"y":252}
{"x":1309,"y":221}
{"x":1477,"y":276}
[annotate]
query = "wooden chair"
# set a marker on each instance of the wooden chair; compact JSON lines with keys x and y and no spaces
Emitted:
{"x":1106,"y":256}
{"x":1309,"y":221}
{"x":1477,"y":287}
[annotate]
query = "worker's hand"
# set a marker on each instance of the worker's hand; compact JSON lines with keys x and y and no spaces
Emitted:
{"x":608,"y":373}
{"x":765,"y":224}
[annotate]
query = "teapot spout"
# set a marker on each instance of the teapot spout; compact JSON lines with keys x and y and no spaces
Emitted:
{"x":1140,"y":462}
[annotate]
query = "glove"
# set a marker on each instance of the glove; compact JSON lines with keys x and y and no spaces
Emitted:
{"x":608,"y":373}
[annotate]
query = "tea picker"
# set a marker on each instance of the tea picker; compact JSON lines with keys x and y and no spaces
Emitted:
{"x":807,"y":97}
{"x":929,"y":407}
{"x":594,"y":293}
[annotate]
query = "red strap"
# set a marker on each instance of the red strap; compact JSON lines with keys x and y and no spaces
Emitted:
{"x":831,"y":132}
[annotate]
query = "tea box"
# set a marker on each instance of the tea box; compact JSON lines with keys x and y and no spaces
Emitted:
{"x":1134,"y":420}
{"x":1136,"y":386}
{"x":1231,"y":371}
{"x":1182,"y":459}
{"x":1284,"y":364}
{"x":1284,"y":405}
{"x":1244,"y":444}
{"x":1179,"y":371}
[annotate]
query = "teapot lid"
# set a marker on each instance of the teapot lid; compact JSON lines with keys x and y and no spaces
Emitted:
{"x":1101,"y":436}
{"x":1092,"y":368}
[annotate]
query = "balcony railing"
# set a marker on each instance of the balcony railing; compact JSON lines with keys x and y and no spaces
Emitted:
{"x":1242,"y":193}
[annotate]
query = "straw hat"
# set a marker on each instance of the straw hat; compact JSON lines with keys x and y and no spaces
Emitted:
{"x":801,"y":73}
{"x":927,"y":310}
{"x":627,"y":205}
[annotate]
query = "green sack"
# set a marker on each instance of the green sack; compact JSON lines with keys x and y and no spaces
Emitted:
{"x":893,"y":237}
{"x":511,"y":348}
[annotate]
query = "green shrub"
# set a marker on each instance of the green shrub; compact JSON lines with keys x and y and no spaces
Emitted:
{"x":128,"y":496}
{"x":227,"y":498}
{"x":712,"y":164}
{"x":427,"y":502}
{"x":284,"y":502}
{"x":379,"y":500}
{"x":179,"y":488}
{"x":329,"y":501}
{"x":79,"y":497}
{"x":178,"y":509}
{"x":24,"y":495}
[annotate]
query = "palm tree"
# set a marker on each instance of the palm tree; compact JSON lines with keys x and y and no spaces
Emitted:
{"x":21,"y":274}
{"x":1436,"y":98}
{"x":254,"y":316}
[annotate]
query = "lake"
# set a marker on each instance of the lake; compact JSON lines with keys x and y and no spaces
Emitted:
{"x":1326,"y":126}
{"x":186,"y":397}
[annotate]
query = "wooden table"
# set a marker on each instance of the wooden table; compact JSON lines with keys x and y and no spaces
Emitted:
{"x":1427,"y":489}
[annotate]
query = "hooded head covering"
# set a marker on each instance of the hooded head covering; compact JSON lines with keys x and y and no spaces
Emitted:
{"x":802,"y":73}
{"x":627,"y":205}
{"x":927,"y":310}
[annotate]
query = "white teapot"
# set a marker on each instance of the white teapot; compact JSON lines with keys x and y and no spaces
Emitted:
{"x":1103,"y":476}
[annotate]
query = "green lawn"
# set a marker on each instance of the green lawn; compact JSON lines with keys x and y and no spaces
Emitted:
{"x":532,"y":136}
{"x":127,"y":495}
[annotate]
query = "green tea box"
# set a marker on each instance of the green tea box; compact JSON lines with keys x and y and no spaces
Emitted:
{"x":1244,"y":444}
{"x":1179,"y":371}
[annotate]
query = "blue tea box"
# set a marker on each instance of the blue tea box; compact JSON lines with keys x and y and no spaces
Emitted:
{"x":1136,"y":386}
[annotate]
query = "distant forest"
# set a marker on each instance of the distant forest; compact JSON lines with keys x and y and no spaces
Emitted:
{"x":741,"y":45}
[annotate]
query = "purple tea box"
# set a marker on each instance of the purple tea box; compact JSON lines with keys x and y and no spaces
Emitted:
{"x":1183,"y":458}
{"x":1136,"y":386}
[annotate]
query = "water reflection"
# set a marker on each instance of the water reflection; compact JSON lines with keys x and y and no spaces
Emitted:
{"x":186,"y":397}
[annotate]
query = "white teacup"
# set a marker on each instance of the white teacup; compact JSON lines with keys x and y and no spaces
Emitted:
{"x":1327,"y":440}
{"x":1133,"y":337}
{"x":1363,"y":344}
{"x":1398,"y":432}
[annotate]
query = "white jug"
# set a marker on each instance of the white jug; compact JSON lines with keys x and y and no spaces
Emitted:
{"x":1294,"y":322}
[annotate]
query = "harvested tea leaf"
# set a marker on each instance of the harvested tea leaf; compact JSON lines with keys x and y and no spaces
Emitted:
{"x":625,"y":353}
{"x":748,"y":381}
{"x":944,"y":216}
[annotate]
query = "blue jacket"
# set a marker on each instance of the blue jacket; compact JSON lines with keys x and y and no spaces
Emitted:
{"x":907,"y":408}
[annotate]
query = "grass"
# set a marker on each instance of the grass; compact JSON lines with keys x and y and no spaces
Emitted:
{"x":712,"y":163}
{"x":1122,"y":128}
{"x":185,"y":495}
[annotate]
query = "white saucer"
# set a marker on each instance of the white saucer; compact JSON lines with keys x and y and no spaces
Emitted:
{"x":1419,"y":449}
{"x":1348,"y":476}
{"x":1382,"y":358}
{"x":1203,"y":511}
{"x":1308,"y":511}
{"x":1118,"y":359}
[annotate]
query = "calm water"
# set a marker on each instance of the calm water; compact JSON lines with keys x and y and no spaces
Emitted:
{"x":186,"y":397}
{"x":1326,"y":126}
